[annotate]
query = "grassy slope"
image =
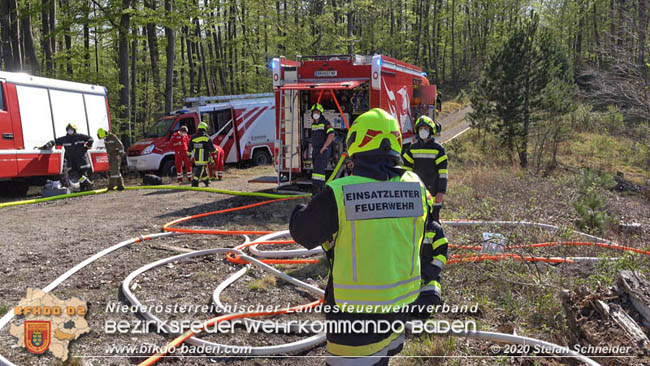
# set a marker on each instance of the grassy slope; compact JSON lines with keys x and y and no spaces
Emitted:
{"x":522,"y":296}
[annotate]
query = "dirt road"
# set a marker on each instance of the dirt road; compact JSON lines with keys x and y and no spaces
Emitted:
{"x":454,"y":124}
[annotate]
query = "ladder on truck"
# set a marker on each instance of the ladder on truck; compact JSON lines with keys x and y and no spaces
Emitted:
{"x":287,"y":150}
{"x":204,"y":100}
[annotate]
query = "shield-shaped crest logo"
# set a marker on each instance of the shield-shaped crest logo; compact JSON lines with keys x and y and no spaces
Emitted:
{"x":37,"y":335}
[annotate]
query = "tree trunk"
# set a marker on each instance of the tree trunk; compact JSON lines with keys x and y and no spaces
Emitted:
{"x":134,"y":52}
{"x":350,"y":30}
{"x":578,"y":41}
{"x":52,"y":20}
{"x":436,"y":37}
{"x":171,"y":54}
{"x":154,"y":55}
{"x":220,"y":52}
{"x":6,"y":55}
{"x":453,"y":40}
{"x":14,"y":34}
{"x":28,"y":40}
{"x":96,"y":40}
{"x":612,"y":24}
{"x":596,"y":34}
{"x":65,"y":4}
{"x":86,"y":32}
{"x":643,"y":28}
{"x":45,"y":36}
{"x":183,"y":84}
{"x":190,"y":59}
{"x":123,"y":59}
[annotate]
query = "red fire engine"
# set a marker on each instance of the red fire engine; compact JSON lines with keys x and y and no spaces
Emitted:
{"x":346,"y":86}
{"x":35,"y":110}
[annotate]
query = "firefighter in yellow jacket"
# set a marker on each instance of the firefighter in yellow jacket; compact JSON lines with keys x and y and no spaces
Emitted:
{"x":199,"y":150}
{"x":371,"y":225}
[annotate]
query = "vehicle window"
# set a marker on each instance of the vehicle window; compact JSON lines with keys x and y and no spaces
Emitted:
{"x":223,"y":121}
{"x":160,"y":128}
{"x":2,"y":100}
{"x":189,"y":123}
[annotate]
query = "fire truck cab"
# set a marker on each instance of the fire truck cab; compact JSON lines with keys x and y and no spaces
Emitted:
{"x":346,"y":86}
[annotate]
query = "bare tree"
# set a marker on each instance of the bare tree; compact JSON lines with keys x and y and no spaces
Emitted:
{"x":171,"y":54}
{"x":28,"y":39}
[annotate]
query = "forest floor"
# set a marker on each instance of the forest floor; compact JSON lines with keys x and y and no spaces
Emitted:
{"x":42,"y":241}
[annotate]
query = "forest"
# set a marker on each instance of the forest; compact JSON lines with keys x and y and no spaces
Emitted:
{"x":152,"y":54}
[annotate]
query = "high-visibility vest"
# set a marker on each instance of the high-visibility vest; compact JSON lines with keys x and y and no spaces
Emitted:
{"x":376,"y":266}
{"x":201,"y":156}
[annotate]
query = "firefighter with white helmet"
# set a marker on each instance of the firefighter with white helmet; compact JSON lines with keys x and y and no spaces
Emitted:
{"x":371,"y":225}
{"x":199,"y":150}
{"x":322,"y":135}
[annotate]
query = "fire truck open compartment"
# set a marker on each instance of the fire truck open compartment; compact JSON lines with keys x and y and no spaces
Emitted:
{"x":346,"y":86}
{"x":342,"y":103}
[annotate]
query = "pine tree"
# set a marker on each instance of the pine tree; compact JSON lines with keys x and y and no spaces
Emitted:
{"x":512,"y":85}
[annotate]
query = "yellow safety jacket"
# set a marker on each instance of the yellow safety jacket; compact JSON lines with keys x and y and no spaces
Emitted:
{"x":376,"y":267}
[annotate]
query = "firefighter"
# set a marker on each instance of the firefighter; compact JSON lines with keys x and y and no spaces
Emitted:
{"x":179,"y":142}
{"x":115,"y":150}
{"x":371,"y":225}
{"x":76,"y":146}
{"x":199,"y":149}
{"x":433,"y":257}
{"x":218,"y":161}
{"x":427,"y":158}
{"x":322,"y":135}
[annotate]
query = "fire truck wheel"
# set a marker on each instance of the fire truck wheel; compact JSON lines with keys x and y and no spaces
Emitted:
{"x":261,"y":157}
{"x":168,"y":168}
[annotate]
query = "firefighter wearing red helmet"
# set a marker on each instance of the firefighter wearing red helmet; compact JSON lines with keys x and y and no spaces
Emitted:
{"x":322,"y":135}
{"x":76,"y":146}
{"x":364,"y":223}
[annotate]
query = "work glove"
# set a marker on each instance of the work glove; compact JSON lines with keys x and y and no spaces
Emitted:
{"x":425,"y":299}
{"x":47,"y":146}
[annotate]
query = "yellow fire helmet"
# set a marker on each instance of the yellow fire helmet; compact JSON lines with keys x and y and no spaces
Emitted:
{"x":375,"y":133}
{"x":203,"y":126}
{"x":436,"y":128}
{"x":101,"y":133}
{"x":318,"y":107}
{"x":71,"y":125}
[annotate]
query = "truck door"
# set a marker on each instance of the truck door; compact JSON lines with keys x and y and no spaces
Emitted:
{"x":8,"y":166}
{"x":224,"y":134}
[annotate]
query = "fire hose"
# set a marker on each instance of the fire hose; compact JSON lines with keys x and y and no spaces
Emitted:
{"x":236,"y":255}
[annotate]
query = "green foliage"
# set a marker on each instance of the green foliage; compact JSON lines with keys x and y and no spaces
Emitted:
{"x":527,"y":74}
{"x":591,"y":208}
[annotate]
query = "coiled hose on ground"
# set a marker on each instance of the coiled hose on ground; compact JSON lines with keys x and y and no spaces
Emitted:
{"x":236,"y":255}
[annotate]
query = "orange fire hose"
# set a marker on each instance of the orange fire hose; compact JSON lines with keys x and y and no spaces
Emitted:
{"x":234,"y":258}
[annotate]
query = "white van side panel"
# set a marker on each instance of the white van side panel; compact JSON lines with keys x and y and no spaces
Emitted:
{"x":68,"y":107}
{"x":35,"y":115}
{"x":97,"y":117}
{"x":261,"y":131}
